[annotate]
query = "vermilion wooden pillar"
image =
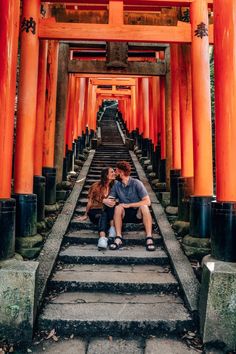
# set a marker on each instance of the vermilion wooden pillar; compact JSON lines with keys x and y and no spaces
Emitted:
{"x":86,"y":108}
{"x":168,"y":124}
{"x":125,"y":112}
{"x":76,"y":109}
{"x":163,"y":125}
{"x":155,"y":104}
{"x":154,"y":98}
{"x":151,"y":119}
{"x":153,"y":125}
{"x":93,"y":109}
{"x":39,"y":180}
{"x":61,"y":109}
{"x":185,"y":187}
{"x":70,"y":121}
{"x":40,"y":112}
{"x":200,"y":204}
{"x":146,"y":122}
{"x":49,"y":171}
{"x":224,"y":209}
{"x":133,"y":109}
{"x":140,"y":106}
{"x":90,"y":104}
{"x":145,"y":91}
{"x":162,"y":113}
{"x":128,"y":113}
{"x":81,"y":105}
{"x":175,"y":79}
{"x":186,"y":111}
{"x":10,"y":11}
{"x":70,"y":112}
{"x":25,"y":134}
{"x":175,"y":111}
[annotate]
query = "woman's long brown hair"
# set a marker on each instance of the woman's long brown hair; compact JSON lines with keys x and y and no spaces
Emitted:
{"x":104,"y":177}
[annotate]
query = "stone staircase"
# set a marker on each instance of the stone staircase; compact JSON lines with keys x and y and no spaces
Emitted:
{"x":124,"y":293}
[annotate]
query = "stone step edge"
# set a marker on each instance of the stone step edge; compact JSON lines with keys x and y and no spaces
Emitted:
{"x":48,"y":255}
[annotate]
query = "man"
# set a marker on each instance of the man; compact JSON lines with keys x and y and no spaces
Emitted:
{"x":133,"y":205}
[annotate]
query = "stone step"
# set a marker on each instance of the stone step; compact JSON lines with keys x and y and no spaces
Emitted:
{"x":91,"y":237}
{"x":88,"y":254}
{"x":95,"y":167}
{"x":84,"y":193}
{"x":116,"y":153}
{"x":76,"y":224}
{"x":106,"y":163}
{"x":80,"y":210}
{"x":96,"y":177}
{"x":97,"y":174}
{"x":108,"y":345}
{"x":112,"y":157}
{"x":97,"y":171}
{"x":103,"y":314}
{"x":114,"y":278}
{"x":118,"y":156}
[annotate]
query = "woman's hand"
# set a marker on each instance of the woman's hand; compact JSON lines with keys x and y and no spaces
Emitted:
{"x":109,"y":202}
{"x":83,"y":217}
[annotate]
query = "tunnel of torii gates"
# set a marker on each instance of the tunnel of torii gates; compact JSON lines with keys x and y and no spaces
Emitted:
{"x":169,"y":110}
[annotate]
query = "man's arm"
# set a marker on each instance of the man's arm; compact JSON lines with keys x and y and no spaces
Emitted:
{"x":145,"y":201}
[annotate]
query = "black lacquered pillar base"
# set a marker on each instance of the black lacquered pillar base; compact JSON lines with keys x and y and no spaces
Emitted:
{"x":69,"y":159}
{"x":174,"y":176}
{"x":185,"y":189}
{"x":200,"y":216}
{"x":7,"y":228}
{"x":39,"y":190}
{"x":157,"y":160}
{"x":26,"y":214}
{"x":223,"y":231}
{"x":50,"y":190}
{"x":162,"y":177}
{"x":64,"y":171}
{"x":144,"y":147}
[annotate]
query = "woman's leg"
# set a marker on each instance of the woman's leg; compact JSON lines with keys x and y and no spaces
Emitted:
{"x":110,"y":214}
{"x":106,"y":219}
{"x":94,"y":215}
{"x":102,"y":225}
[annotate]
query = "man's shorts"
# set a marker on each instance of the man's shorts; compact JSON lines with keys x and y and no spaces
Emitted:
{"x":131,"y":216}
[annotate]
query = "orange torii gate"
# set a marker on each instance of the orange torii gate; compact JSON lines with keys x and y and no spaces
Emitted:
{"x":194,"y":82}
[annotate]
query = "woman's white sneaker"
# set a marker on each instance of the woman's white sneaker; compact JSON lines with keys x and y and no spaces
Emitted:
{"x":102,"y":243}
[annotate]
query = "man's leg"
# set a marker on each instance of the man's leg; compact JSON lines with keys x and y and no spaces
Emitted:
{"x":144,"y":212}
{"x":118,"y":221}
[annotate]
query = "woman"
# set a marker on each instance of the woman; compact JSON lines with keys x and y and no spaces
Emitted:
{"x":97,"y":213}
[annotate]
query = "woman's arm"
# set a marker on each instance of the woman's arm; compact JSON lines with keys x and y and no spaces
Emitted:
{"x":88,"y":206}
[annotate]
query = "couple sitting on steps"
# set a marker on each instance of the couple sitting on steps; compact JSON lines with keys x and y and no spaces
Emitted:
{"x":113,"y":202}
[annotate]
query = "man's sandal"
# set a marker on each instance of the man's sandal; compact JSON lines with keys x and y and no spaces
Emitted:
{"x":150,"y":246}
{"x":115,"y":246}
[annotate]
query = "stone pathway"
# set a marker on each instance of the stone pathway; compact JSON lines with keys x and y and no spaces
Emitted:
{"x":111,"y":297}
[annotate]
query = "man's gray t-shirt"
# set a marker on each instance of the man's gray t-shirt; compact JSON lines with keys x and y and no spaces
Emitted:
{"x":133,"y":192}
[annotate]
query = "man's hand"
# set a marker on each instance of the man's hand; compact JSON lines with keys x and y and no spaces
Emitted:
{"x":125,"y":205}
{"x":109,"y":202}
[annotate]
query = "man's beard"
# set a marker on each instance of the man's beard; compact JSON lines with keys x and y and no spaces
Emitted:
{"x":118,"y":178}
